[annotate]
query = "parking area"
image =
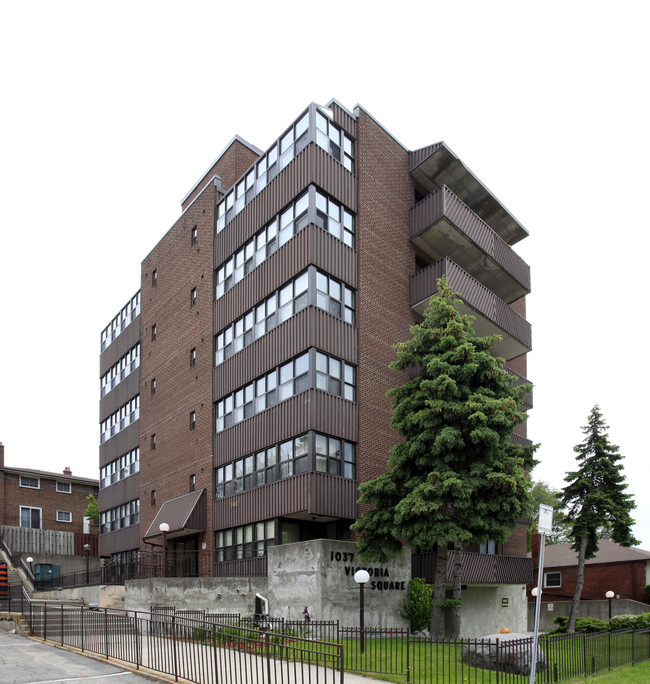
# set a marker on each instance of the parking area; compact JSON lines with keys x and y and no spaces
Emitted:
{"x":26,"y":661}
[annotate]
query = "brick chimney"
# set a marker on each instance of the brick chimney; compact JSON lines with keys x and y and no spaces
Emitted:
{"x":2,"y":455}
{"x":67,"y":471}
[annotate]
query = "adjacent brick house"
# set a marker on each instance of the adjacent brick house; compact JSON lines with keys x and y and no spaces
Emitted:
{"x":37,"y":499}
{"x":625,"y":571}
{"x":243,"y":388}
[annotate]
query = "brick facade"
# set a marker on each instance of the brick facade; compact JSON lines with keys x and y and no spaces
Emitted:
{"x":349,"y":162}
{"x":45,"y":498}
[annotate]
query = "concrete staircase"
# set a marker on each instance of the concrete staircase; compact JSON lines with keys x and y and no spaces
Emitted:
{"x":112,"y":596}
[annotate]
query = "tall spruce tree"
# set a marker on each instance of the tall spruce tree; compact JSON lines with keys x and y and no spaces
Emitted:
{"x":456,"y":477}
{"x":595,"y":497}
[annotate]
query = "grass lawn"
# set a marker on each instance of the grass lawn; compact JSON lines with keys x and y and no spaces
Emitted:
{"x":629,"y":674}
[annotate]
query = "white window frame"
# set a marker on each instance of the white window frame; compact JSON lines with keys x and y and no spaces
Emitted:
{"x":29,"y":477}
{"x":31,"y":508}
{"x":65,"y":513}
{"x":552,"y":586}
{"x":64,"y":484}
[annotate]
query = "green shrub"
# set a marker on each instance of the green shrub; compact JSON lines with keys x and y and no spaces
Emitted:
{"x":622,"y":622}
{"x":584,"y":625}
{"x":418,"y":604}
{"x":646,"y":590}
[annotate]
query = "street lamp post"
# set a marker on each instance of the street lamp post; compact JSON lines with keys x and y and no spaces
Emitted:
{"x":610,"y":596}
{"x":361,"y":577}
{"x":30,"y":562}
{"x":87,"y":554}
{"x":164,"y":528}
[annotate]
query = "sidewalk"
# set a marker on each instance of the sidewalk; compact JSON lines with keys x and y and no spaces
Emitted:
{"x":25,"y":660}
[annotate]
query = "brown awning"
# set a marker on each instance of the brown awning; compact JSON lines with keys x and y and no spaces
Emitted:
{"x":185,"y":515}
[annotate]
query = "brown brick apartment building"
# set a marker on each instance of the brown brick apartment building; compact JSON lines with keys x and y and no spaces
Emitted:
{"x":243,"y":390}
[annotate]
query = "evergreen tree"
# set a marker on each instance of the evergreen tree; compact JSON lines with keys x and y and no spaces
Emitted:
{"x":595,"y":497}
{"x":455,"y":478}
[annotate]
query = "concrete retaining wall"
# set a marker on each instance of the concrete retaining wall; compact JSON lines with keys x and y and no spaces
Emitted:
{"x":595,"y":609}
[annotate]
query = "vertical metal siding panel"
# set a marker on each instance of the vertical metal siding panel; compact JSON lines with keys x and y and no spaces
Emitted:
{"x":310,"y":410}
{"x":312,"y":327}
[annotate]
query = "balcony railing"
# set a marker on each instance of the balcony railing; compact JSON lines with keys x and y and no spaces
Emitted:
{"x":478,"y":568}
{"x":443,"y":225}
{"x":492,"y":314}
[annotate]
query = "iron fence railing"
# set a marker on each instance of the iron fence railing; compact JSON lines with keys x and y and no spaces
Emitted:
{"x":184,"y":648}
{"x":198,"y":646}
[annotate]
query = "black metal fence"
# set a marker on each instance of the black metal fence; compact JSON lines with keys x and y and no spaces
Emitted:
{"x":196,"y":645}
{"x":194,"y":650}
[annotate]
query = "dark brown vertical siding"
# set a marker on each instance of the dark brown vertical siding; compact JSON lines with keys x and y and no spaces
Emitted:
{"x":344,"y":120}
{"x":310,"y":493}
{"x":123,"y":441}
{"x":312,"y":327}
{"x":313,"y":245}
{"x":312,"y":165}
{"x":122,"y":343}
{"x":309,"y":410}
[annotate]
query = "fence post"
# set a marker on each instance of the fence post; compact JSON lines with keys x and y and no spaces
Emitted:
{"x":138,"y":644}
{"x":268,"y":656}
{"x":175,"y":646}
{"x":61,"y":624}
{"x":82,"y":629}
{"x":45,"y":621}
{"x":584,"y":654}
{"x":496,"y":659}
{"x":408,"y":662}
{"x":106,"y":632}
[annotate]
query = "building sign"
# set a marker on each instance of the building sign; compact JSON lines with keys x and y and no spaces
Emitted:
{"x":380,"y":577}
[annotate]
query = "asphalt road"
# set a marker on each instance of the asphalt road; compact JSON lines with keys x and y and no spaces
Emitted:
{"x":25,"y":661}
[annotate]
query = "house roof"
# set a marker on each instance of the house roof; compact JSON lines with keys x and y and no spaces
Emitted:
{"x":49,"y":475}
{"x":562,"y":555}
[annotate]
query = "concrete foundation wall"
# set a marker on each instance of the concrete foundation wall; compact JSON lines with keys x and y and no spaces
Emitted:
{"x":594,"y":609}
{"x":488,"y":609}
{"x":319,"y":574}
{"x":212,"y":594}
{"x":86,"y":594}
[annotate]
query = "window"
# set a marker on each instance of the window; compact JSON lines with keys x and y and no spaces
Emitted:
{"x":311,"y":207}
{"x":192,"y":420}
{"x":30,"y":517}
{"x":192,"y":483}
{"x":64,"y":516}
{"x":126,"y":465}
{"x":314,"y":125}
{"x":126,"y":515}
{"x":153,"y":442}
{"x":153,"y":386}
{"x":31,"y":482}
{"x":154,"y":332}
{"x":246,"y":541}
{"x":329,"y":374}
{"x":552,"y":579}
{"x":193,"y":297}
{"x":129,"y":312}
{"x":120,"y":419}
{"x":312,"y":287}
{"x":195,"y":235}
{"x":489,"y":546}
{"x":308,"y":452}
{"x":64,"y":487}
{"x":120,"y":370}
{"x":193,"y":356}
{"x":153,"y":497}
{"x":154,"y":278}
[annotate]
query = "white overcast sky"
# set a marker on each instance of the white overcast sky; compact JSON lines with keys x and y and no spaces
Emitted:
{"x":110,"y":112}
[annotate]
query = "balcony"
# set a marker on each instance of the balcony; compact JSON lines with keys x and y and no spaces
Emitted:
{"x":491,"y":314}
{"x":434,"y":166}
{"x":443,"y":226}
{"x":478,"y":568}
{"x":305,"y":496}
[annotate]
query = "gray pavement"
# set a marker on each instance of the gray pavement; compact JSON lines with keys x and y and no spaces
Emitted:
{"x":30,"y":661}
{"x":27,"y":661}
